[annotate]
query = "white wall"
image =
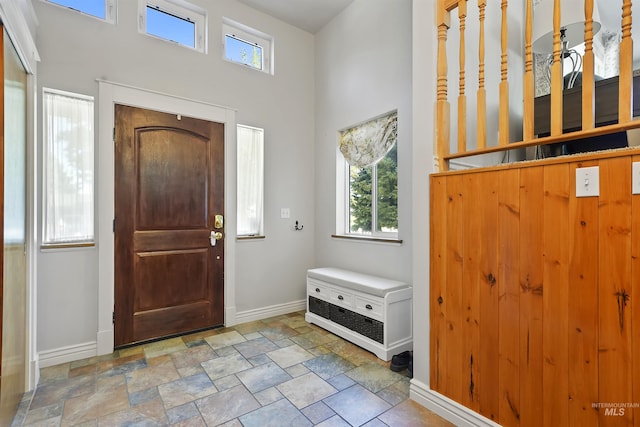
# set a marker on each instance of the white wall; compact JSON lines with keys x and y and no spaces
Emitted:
{"x":363,"y":70}
{"x":76,"y":50}
{"x":424,"y":78}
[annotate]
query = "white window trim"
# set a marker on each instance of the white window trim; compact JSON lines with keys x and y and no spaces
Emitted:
{"x":110,"y":13}
{"x":342,"y":205}
{"x":250,"y":35}
{"x":181,"y":9}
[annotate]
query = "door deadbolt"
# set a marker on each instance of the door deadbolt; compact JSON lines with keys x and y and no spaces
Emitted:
{"x":218,"y":222}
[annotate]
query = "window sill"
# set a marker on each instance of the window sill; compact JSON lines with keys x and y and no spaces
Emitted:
{"x":368,"y":239}
{"x":240,"y":238}
{"x":65,"y":246}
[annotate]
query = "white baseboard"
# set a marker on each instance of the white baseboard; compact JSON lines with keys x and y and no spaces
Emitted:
{"x":104,"y":342}
{"x":33,"y":375}
{"x":266,"y":312}
{"x":230,"y":316}
{"x":448,"y":409}
{"x":67,"y":354}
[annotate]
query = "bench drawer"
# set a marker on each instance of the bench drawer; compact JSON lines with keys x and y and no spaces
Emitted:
{"x":318,"y":290}
{"x":370,"y":308}
{"x":341,"y":298}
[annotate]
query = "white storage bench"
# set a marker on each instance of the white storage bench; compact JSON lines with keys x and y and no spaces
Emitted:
{"x":369,"y":311}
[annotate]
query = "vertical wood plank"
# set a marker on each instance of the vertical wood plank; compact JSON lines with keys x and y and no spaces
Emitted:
{"x":472,"y":227}
{"x":557,"y":82}
{"x":443,"y":109}
{"x":529,"y":87}
{"x":454,"y":266}
{"x":583,"y":306}
{"x":462,"y":97}
{"x":509,"y":297}
{"x":588,"y":91}
{"x":482,"y":94}
{"x":625,"y":99}
{"x":531,"y":290}
{"x":555,"y":297}
{"x":635,"y":305}
{"x":503,"y":119}
{"x":615,"y":363}
{"x":489,"y":351}
{"x":438,"y":277}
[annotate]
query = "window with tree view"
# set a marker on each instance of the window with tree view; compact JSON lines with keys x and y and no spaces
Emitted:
{"x":373,"y":196}
{"x":371,"y":153}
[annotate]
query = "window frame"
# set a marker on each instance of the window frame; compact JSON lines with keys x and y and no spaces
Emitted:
{"x":181,"y":10}
{"x":346,"y":200}
{"x":66,"y":243}
{"x":260,"y":233}
{"x":251,"y":36}
{"x":110,"y":13}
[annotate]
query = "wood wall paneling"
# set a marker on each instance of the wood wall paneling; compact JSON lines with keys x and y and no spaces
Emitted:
{"x":509,"y":298}
{"x":536,"y":287}
{"x":531,"y":289}
{"x":583,"y":304}
{"x":555,"y":232}
{"x":614,"y":284}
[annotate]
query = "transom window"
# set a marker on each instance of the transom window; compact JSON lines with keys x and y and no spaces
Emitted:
{"x":103,"y":9}
{"x":174,"y":20}
{"x":246,"y":46}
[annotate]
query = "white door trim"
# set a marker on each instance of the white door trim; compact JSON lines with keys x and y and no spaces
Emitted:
{"x":109,"y":94}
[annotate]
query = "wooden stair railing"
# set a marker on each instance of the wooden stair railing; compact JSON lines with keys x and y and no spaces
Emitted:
{"x":443,"y":113}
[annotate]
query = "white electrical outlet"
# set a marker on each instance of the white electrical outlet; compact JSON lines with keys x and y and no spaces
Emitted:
{"x":635,"y":178}
{"x":285,"y":213}
{"x":588,"y":182}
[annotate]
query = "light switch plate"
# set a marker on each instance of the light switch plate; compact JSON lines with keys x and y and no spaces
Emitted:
{"x":635,"y":178}
{"x":588,"y":182}
{"x":285,"y":213}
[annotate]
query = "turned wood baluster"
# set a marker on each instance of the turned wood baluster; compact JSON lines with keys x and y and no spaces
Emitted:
{"x":504,"y":84}
{"x":588,"y":91}
{"x":442,"y":105}
{"x":529,"y":88}
{"x":557,"y":82}
{"x":625,"y":106}
{"x":462,"y":98}
{"x":482,"y":94}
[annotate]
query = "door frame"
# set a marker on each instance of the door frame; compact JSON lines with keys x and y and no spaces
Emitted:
{"x":109,"y":94}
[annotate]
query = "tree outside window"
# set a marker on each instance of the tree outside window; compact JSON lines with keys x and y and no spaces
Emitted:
{"x":378,"y":182}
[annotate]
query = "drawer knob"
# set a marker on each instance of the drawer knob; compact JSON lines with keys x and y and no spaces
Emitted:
{"x":368,"y":307}
{"x":317,"y":289}
{"x":340,"y":297}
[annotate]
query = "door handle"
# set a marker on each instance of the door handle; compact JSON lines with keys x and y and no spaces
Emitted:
{"x":215,"y":236}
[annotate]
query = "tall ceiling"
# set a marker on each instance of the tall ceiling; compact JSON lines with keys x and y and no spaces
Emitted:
{"x":309,"y":15}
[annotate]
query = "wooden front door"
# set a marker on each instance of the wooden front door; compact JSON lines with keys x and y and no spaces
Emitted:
{"x":169,"y":193}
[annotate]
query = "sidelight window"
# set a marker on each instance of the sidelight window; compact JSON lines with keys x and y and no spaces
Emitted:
{"x":68,"y":168}
{"x":250,"y":182}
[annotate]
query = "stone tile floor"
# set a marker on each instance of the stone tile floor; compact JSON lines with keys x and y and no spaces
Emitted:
{"x":276,"y":372}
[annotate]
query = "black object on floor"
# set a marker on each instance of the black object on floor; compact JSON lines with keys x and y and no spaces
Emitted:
{"x":401,"y":361}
